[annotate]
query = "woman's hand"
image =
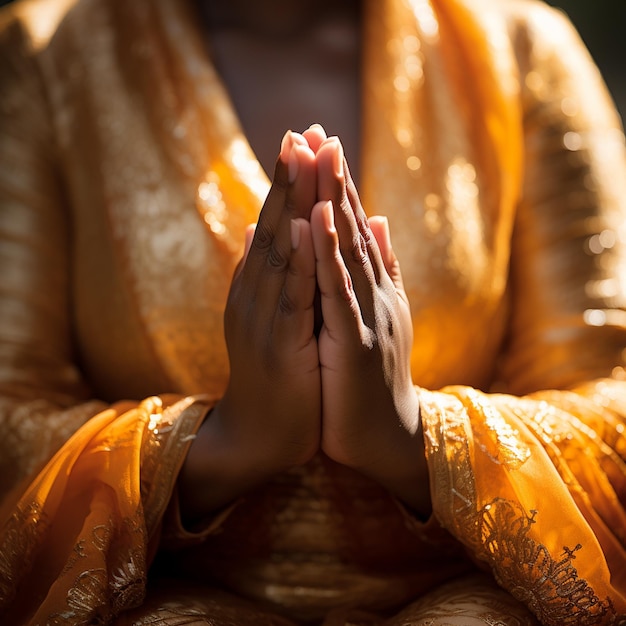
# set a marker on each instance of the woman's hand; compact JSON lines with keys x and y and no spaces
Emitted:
{"x":269,"y":418}
{"x":370,"y":409}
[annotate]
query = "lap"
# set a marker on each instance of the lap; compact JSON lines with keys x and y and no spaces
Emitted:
{"x":183,"y":603}
{"x":468,"y":601}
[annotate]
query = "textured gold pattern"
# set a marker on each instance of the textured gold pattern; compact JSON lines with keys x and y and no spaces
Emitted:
{"x":126,"y":184}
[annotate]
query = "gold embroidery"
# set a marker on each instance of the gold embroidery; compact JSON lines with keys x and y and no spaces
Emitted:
{"x":21,"y":537}
{"x":500,"y":442}
{"x":499,"y":532}
{"x":128,"y":582}
{"x":107,"y":566}
{"x":97,"y":594}
{"x":86,"y":600}
{"x":551,"y":588}
{"x":171,"y":431}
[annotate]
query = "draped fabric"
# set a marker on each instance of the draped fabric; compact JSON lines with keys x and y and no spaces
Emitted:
{"x":126,"y":184}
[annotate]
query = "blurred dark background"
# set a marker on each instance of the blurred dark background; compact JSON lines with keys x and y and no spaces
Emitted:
{"x":602,"y":25}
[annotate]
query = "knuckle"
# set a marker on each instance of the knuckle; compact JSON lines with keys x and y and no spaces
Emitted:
{"x":358,"y":251}
{"x":345,"y":291}
{"x":263,"y":237}
{"x":286,"y":305}
{"x":276,"y":260}
{"x":363,"y":227}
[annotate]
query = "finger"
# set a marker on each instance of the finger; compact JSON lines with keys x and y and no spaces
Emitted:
{"x":341,"y":164}
{"x":367,"y":240}
{"x":355,"y":237}
{"x":379,"y":225}
{"x":315,"y":135}
{"x":353,"y":194}
{"x":249,"y":235}
{"x":289,"y":139}
{"x":285,"y":173}
{"x":302,"y":194}
{"x":331,"y":186}
{"x":340,"y":308}
{"x":268,"y":258}
{"x":295,"y":313}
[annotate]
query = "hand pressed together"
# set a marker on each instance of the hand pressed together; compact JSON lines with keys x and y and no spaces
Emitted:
{"x":370,"y":409}
{"x":347,"y":391}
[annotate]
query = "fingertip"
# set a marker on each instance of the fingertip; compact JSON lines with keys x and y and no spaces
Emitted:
{"x":317,"y":128}
{"x":332,"y":149}
{"x":304,"y":150}
{"x":299,"y":138}
{"x":380,"y":225}
{"x":338,"y":158}
{"x":299,"y":154}
{"x":285,"y":146}
{"x":289,"y":140}
{"x":315,"y":135}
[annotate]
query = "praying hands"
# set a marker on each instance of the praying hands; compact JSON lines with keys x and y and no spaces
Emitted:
{"x":298,"y":385}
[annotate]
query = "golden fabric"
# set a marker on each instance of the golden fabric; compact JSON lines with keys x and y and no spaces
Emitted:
{"x":125,"y":185}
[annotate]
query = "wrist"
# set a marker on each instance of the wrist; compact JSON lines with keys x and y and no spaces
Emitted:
{"x":397,"y":458}
{"x":218,"y":470}
{"x":228,"y":459}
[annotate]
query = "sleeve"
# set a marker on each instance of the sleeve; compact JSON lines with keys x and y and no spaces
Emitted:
{"x":533,"y":481}
{"x":43,"y":399}
{"x":85,"y":487}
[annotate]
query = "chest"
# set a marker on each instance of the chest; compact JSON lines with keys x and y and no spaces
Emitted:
{"x":278,"y":85}
{"x":164,"y":276}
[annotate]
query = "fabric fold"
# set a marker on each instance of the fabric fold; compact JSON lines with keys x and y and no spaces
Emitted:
{"x":77,"y":545}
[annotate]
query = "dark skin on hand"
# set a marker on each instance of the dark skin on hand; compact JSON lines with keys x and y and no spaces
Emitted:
{"x":345,"y":392}
{"x":317,"y":323}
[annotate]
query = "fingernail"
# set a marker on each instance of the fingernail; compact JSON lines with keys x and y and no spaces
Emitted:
{"x":338,"y":157}
{"x":299,"y":139}
{"x":295,"y":234}
{"x":285,"y":146}
{"x":387,"y":231}
{"x":329,"y":217}
{"x":292,"y":166}
{"x":318,"y":127}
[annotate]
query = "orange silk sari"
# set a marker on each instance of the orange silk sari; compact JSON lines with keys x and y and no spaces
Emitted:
{"x":126,"y":185}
